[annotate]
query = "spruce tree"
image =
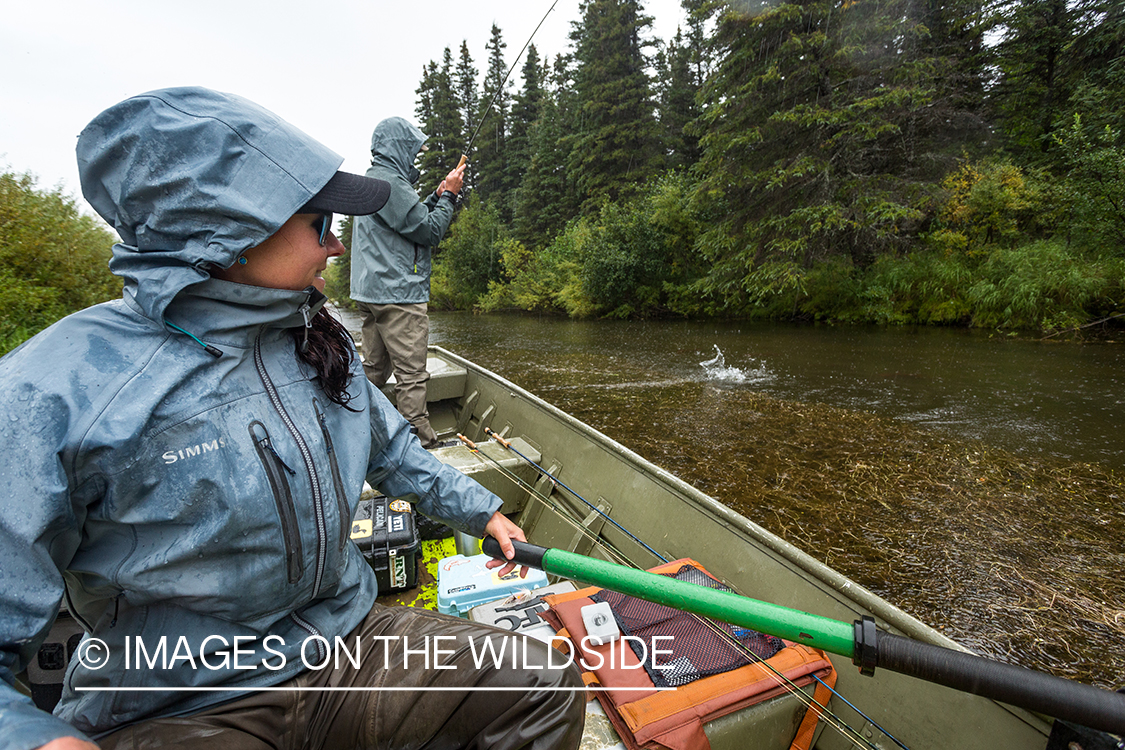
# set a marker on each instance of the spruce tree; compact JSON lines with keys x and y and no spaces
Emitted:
{"x":677,"y":89}
{"x":426,"y":117}
{"x":1032,"y":89}
{"x":825,"y":129}
{"x":491,"y":151}
{"x":545,"y":197}
{"x":617,"y":146}
{"x":465,"y":85}
{"x":440,"y":120}
{"x":525,"y":111}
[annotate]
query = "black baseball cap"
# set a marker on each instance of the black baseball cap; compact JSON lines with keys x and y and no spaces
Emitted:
{"x":349,"y":194}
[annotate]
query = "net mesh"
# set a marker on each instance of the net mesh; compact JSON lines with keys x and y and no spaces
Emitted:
{"x":697,"y":649}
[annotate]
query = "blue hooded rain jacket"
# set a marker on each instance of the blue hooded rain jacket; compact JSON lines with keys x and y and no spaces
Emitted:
{"x":194,"y":504}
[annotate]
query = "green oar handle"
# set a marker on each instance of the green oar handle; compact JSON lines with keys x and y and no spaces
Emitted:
{"x":794,"y":625}
{"x":867,"y":646}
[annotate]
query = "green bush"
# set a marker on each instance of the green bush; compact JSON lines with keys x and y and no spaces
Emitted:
{"x":1043,"y":285}
{"x":634,"y":258}
{"x":53,"y":259}
{"x":1095,"y":186}
{"x":469,"y":257}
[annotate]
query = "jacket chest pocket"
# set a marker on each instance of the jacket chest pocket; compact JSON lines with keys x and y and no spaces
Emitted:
{"x":337,"y":480}
{"x":278,"y":473}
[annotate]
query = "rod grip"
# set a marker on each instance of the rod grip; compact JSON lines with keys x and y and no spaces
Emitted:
{"x":488,"y":431}
{"x":530,"y":555}
{"x":462,"y":162}
{"x":1083,"y":704}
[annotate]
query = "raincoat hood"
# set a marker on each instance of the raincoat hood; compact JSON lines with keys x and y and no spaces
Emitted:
{"x":191,"y":177}
{"x":394,"y":144}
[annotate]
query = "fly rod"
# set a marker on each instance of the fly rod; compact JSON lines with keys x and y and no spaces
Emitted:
{"x":866,"y":645}
{"x":507,"y":444}
{"x":469,"y":148}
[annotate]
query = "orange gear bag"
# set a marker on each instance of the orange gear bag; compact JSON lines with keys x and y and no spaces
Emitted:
{"x":671,"y":714}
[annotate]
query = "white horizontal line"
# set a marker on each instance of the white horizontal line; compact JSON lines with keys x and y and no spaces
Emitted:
{"x":356,"y":689}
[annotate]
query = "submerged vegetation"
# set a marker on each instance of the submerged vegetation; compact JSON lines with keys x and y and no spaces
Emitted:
{"x":1018,"y":559}
{"x":887,"y":162}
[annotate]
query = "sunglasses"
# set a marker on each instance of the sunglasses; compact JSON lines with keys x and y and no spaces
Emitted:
{"x":323,"y":224}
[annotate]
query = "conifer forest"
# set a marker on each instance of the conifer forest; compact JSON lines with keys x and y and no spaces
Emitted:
{"x":883,"y":161}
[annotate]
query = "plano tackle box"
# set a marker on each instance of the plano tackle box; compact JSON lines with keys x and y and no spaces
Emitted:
{"x":465,"y":582}
{"x":386,"y":532}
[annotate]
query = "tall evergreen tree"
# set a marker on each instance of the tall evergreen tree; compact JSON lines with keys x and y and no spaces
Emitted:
{"x":825,"y":129}
{"x":617,"y":148}
{"x":424,"y":108}
{"x":491,"y":151}
{"x":443,"y":128}
{"x":677,"y":89}
{"x":545,"y":198}
{"x":1096,"y":67}
{"x":1033,"y":88}
{"x":525,"y":111}
{"x":465,"y":84}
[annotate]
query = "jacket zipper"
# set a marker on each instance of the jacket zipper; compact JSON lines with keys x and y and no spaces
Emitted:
{"x":341,"y":496}
{"x":283,"y":496}
{"x":310,"y":468}
{"x":312,"y":630}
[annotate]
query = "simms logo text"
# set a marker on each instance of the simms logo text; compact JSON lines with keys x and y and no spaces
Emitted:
{"x":171,"y":457}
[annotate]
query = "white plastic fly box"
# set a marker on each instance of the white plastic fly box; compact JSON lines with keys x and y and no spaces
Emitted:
{"x":519,"y":612}
{"x":465,"y":582}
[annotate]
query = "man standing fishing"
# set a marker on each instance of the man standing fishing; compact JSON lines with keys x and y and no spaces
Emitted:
{"x":391,"y":260}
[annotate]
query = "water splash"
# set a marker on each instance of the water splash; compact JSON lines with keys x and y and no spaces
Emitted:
{"x":716,"y":369}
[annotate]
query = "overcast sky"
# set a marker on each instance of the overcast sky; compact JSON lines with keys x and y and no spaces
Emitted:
{"x":333,"y":68}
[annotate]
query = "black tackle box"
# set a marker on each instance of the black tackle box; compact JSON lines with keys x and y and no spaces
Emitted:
{"x":44,"y":674}
{"x":386,"y":531}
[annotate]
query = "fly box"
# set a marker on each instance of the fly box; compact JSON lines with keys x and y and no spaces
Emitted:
{"x":519,"y":612}
{"x":465,"y":582}
{"x":386,"y":532}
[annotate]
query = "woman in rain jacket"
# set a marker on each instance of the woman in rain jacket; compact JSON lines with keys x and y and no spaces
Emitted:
{"x":182,"y":465}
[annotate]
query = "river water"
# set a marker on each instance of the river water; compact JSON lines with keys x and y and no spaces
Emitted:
{"x":974,"y":480}
{"x":1036,"y":398}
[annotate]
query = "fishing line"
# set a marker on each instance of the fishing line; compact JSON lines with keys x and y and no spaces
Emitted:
{"x":469,"y":148}
{"x":830,"y":718}
{"x":550,"y":505}
{"x":557,"y":481}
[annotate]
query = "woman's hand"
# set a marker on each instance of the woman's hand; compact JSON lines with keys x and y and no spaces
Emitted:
{"x":504,"y":531}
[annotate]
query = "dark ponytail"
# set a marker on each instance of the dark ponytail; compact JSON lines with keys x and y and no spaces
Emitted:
{"x":330,"y":353}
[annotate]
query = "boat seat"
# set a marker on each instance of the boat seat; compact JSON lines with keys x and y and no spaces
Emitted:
{"x":446,"y":381}
{"x":488,"y":474}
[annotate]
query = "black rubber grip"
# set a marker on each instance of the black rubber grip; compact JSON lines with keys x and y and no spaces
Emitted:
{"x":526,"y":554}
{"x":1063,"y":699}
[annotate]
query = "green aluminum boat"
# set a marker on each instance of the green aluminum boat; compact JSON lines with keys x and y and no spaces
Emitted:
{"x":645,"y":510}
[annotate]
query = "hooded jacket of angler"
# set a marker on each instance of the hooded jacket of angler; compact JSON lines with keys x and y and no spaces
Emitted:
{"x":394,"y":247}
{"x":179,"y":499}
